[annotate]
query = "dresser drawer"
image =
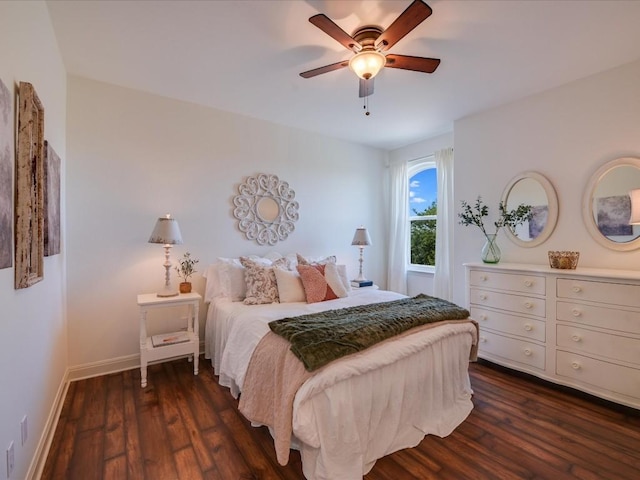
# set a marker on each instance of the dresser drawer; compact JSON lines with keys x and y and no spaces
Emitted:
{"x":602,"y":344}
{"x":508,"y":281}
{"x":508,"y":323}
{"x":602,"y":292}
{"x":506,"y":301}
{"x":601,"y":374}
{"x":520,"y":351}
{"x":603,"y":317}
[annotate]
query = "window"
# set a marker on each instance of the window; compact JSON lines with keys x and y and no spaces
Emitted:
{"x":422,"y":210}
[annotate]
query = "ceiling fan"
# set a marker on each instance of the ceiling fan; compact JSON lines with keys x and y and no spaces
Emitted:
{"x":369,"y":42}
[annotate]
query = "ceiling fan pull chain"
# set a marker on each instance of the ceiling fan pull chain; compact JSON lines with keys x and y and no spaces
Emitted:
{"x":366,"y":106}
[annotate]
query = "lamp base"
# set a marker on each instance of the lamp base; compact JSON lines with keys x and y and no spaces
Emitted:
{"x":167,"y":292}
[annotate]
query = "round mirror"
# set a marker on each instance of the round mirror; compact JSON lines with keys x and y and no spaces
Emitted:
{"x":606,"y":206}
{"x":267,"y":209}
{"x":532,"y":188}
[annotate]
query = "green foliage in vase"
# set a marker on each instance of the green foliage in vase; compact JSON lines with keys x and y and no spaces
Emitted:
{"x":186,"y":266}
{"x":473,"y":215}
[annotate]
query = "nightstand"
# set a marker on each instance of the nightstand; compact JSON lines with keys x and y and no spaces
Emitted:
{"x":171,"y":344}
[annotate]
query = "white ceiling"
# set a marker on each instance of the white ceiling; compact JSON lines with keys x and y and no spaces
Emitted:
{"x":245,"y":56}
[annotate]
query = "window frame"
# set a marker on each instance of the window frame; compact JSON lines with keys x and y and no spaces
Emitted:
{"x":416,"y":166}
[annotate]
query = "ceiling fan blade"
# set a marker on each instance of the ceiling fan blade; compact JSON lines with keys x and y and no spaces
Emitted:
{"x":325,"y":69}
{"x":417,"y":64}
{"x":327,"y":25}
{"x":366,"y":87}
{"x":414,"y":15}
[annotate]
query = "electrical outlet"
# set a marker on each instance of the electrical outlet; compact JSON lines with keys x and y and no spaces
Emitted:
{"x":24,"y":430}
{"x":10,"y":460}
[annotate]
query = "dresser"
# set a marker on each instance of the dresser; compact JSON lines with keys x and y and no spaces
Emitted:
{"x":579,"y":328}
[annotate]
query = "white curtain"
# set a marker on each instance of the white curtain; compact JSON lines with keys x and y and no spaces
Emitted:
{"x":398,"y":227}
{"x":443,"y":279}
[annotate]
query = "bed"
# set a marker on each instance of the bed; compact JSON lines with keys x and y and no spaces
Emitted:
{"x":347,"y":414}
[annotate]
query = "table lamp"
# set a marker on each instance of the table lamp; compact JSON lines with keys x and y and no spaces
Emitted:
{"x":167,"y":233}
{"x":361,"y":239}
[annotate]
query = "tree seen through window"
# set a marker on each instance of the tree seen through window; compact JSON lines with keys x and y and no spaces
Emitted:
{"x":422,"y":214}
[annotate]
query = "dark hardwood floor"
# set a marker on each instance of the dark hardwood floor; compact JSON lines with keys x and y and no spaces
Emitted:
{"x":186,"y":427}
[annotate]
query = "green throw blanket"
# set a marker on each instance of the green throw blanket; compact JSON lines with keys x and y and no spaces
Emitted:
{"x":319,"y":338}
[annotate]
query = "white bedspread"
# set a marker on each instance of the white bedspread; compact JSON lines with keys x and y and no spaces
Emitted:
{"x":365,"y":406}
{"x":233,"y":329}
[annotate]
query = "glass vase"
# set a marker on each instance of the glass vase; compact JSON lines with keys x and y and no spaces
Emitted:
{"x":490,"y":251}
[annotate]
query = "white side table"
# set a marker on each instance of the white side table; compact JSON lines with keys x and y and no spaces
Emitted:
{"x":191,"y":347}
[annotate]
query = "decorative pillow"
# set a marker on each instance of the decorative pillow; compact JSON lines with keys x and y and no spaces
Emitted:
{"x":213,"y":288}
{"x":332,"y":276}
{"x":284,"y":263}
{"x":342,"y":272}
{"x":261,"y":283}
{"x":231,"y":275}
{"x":290,"y":287}
{"x":316,"y":288}
{"x":320,"y":261}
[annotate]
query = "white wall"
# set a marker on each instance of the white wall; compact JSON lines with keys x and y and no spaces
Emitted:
{"x":565,"y":134}
{"x":421,"y":282}
{"x":33,"y":335}
{"x":133,"y":157}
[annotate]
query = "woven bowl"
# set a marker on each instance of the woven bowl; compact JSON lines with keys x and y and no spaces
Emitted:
{"x":564,"y":259}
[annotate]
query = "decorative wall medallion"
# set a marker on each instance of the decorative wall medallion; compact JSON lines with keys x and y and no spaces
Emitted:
{"x":265,"y":209}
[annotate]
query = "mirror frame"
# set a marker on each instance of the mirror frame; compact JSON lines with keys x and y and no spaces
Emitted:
{"x":552,"y":200}
{"x":250,"y":194}
{"x":587,"y":205}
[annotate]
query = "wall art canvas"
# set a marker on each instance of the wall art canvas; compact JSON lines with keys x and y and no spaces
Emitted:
{"x":6,"y":178}
{"x":51,"y":201}
{"x":538,"y":220}
{"x":29,"y":217}
{"x":613,"y":214}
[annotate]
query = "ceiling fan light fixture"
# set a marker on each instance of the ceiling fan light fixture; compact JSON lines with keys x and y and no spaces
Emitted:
{"x":366,"y":64}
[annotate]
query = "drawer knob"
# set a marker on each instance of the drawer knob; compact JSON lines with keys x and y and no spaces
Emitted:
{"x":575,"y":312}
{"x":528,"y":283}
{"x":483,"y":316}
{"x":483,"y":296}
{"x":575,"y":365}
{"x":575,"y":337}
{"x":483,"y":339}
{"x":528,"y":305}
{"x":576,"y":289}
{"x":528,"y":327}
{"x":483,"y":278}
{"x":527,"y":352}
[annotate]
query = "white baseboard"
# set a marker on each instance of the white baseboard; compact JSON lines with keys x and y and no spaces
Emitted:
{"x":42,"y":450}
{"x":104,"y":367}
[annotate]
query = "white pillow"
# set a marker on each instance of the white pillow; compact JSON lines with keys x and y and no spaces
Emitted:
{"x":232,"y":282}
{"x":212,"y":287}
{"x":320,"y":260}
{"x":342,"y":271}
{"x":290,"y":288}
{"x":273,"y":256}
{"x":334,"y":280}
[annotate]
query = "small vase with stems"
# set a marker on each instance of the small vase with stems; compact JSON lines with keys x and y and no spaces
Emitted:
{"x":473,"y":215}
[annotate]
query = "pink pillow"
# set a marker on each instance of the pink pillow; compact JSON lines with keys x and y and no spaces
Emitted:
{"x":316,"y":288}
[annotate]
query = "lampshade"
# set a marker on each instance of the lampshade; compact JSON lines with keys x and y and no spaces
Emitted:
{"x":635,"y":207}
{"x":166,"y":231}
{"x":361,"y":237}
{"x":367,"y":63}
